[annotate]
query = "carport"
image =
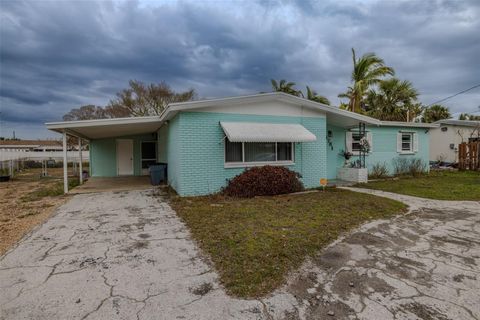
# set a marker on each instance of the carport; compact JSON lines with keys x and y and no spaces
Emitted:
{"x":118,"y":130}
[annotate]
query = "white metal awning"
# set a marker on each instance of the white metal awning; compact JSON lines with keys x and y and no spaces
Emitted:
{"x":266,"y":132}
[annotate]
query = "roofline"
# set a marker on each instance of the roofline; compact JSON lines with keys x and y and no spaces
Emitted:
{"x":95,"y":122}
{"x":457,"y":122}
{"x":408,"y":124}
{"x":190,"y":105}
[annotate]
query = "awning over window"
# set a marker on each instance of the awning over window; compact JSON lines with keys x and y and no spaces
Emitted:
{"x":266,"y":132}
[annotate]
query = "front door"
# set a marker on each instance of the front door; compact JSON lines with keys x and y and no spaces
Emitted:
{"x":125,"y":157}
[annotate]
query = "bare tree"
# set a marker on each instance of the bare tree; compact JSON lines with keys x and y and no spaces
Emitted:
{"x":148,"y":100}
{"x":85,"y":113}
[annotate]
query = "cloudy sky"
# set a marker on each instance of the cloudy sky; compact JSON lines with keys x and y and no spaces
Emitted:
{"x":57,"y":55}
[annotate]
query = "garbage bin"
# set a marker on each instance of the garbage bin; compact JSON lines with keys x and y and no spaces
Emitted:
{"x":158,"y":173}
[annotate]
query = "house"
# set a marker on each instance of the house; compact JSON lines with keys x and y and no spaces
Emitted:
{"x":207,"y":142}
{"x":445,"y":138}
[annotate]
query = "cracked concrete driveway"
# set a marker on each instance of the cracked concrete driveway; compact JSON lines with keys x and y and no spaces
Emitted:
{"x":122,"y":255}
{"x":126,"y":255}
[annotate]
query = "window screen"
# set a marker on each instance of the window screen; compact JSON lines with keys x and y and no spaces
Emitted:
{"x":233,"y":151}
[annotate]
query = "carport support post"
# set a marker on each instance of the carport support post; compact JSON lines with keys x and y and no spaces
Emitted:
{"x":80,"y":157}
{"x":65,"y":164}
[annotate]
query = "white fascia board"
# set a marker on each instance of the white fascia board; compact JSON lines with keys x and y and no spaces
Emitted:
{"x":100,"y":122}
{"x":408,"y":124}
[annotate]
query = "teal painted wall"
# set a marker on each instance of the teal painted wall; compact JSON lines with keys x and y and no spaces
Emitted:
{"x":103,"y":162}
{"x":103,"y":154}
{"x":384,"y":140}
{"x":174,"y":157}
{"x":196,"y":151}
{"x":384,"y":149}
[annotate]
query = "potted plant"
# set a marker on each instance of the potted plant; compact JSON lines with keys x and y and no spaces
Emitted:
{"x":346,"y":155}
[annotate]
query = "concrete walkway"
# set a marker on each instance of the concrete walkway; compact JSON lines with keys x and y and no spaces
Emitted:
{"x":126,"y":255}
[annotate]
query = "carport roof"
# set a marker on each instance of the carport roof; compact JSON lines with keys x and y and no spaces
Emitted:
{"x":107,"y":128}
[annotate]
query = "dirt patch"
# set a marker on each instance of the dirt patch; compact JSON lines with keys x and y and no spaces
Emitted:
{"x":20,"y":213}
{"x":202,"y":289}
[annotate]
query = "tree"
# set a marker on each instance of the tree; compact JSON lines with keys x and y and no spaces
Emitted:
{"x":85,"y":113}
{"x":466,"y":116}
{"x":394,"y":100}
{"x":312,"y":95}
{"x":147,"y":100}
{"x":286,"y":87}
{"x":435,"y":112}
{"x":368,"y":71}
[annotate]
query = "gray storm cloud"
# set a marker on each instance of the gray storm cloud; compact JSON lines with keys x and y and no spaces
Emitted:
{"x":57,"y":55}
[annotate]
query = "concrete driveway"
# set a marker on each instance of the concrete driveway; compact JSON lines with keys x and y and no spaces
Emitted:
{"x":126,"y":255}
{"x":113,"y":255}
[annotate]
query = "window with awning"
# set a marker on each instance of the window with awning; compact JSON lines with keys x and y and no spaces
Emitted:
{"x":261,"y":143}
{"x":266,"y":132}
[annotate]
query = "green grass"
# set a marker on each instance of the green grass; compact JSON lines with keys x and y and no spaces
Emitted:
{"x":441,"y":185}
{"x":50,"y":190}
{"x":255,"y":242}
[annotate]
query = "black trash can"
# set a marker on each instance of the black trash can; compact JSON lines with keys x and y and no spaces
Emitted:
{"x":158,"y":173}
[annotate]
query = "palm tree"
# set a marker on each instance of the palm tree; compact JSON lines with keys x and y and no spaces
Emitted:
{"x":367,"y":72}
{"x":435,"y":112}
{"x":312,"y":95}
{"x":284,"y":86}
{"x":394,"y":100}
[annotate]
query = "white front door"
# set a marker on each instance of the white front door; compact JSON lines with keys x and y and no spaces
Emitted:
{"x":124,"y":157}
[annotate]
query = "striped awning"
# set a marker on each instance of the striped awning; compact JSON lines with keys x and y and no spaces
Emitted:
{"x":266,"y":132}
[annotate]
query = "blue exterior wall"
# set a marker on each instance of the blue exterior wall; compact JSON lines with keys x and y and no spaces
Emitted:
{"x":103,"y":155}
{"x":384,"y":147}
{"x":196,"y":151}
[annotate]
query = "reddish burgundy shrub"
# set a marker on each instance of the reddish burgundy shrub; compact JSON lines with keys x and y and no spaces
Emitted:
{"x":263,"y":181}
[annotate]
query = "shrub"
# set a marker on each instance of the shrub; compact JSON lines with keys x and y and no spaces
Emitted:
{"x":264,"y":181}
{"x":409,"y":166}
{"x":379,"y":171}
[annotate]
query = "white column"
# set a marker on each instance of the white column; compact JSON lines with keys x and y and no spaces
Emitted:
{"x":65,"y":164}
{"x":81,"y":160}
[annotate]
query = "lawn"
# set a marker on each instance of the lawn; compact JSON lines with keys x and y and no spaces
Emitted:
{"x":441,"y":185}
{"x":27,"y":201}
{"x":255,"y":242}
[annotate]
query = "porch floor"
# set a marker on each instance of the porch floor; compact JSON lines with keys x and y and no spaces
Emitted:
{"x":96,"y":184}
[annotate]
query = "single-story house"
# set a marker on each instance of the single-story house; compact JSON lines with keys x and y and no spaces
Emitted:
{"x":207,"y":142}
{"x":445,"y":138}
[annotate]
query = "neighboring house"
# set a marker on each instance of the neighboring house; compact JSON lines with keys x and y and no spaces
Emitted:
{"x":207,"y":142}
{"x":444,"y":140}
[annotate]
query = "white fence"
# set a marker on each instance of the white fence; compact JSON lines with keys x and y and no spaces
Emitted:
{"x":6,"y":155}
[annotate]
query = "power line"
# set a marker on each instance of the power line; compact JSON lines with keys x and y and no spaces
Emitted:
{"x":454,"y":95}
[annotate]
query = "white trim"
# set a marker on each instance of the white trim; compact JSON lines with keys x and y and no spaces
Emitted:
{"x":100,"y":122}
{"x":408,"y":124}
{"x":257,"y":164}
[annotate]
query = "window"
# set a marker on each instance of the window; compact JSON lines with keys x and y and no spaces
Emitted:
{"x":356,"y":137}
{"x":149,"y":154}
{"x":258,"y":152}
{"x":407,"y":139}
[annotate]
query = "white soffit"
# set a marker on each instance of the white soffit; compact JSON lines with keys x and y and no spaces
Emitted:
{"x":266,"y":132}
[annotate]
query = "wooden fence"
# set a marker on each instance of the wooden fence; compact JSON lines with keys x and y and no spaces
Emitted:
{"x":469,"y":156}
